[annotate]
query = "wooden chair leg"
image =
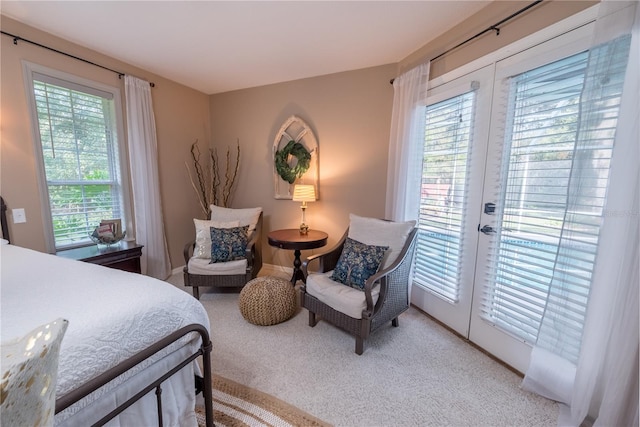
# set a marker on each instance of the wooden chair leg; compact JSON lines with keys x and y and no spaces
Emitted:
{"x":196,"y":292}
{"x":395,"y":322}
{"x":312,"y":319}
{"x":359,"y":346}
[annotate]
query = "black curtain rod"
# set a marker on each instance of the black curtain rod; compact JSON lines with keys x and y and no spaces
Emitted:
{"x":494,"y":27}
{"x":18,"y":38}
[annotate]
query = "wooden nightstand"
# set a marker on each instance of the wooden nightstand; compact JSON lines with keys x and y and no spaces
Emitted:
{"x":123,"y":256}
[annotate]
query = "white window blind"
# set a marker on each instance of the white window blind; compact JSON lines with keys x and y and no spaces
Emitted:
{"x":542,"y":125}
{"x":447,"y":152}
{"x":80,"y":157}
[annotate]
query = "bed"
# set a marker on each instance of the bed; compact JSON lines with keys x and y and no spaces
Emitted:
{"x":128,"y":336}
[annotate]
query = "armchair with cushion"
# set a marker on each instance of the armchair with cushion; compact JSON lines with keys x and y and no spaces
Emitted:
{"x":227,"y":251}
{"x":363,"y":282}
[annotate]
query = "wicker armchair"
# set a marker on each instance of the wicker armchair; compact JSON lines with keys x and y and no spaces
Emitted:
{"x":385,"y":297}
{"x":220,"y":275}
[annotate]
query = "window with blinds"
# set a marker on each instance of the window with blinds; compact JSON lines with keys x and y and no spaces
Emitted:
{"x":80,"y":157}
{"x":447,"y":149}
{"x":540,"y":138}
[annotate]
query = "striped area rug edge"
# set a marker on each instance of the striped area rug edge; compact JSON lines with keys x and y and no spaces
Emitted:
{"x":237,"y":405}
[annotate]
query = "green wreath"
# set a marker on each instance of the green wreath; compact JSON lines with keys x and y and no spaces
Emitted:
{"x":298,"y":151}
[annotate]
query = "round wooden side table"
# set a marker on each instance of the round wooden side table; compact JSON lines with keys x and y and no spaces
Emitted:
{"x":292,"y":239}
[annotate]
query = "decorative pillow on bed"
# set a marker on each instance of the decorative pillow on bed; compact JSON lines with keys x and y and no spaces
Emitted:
{"x":203,"y":235}
{"x":228,"y":244}
{"x":357,"y":263}
{"x":29,"y":373}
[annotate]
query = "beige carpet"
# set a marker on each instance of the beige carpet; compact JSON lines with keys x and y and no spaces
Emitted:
{"x":418,"y":374}
{"x":236,"y":405}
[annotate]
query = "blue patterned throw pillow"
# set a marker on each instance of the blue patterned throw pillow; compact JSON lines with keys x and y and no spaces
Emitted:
{"x":228,"y":244}
{"x":357,"y":263}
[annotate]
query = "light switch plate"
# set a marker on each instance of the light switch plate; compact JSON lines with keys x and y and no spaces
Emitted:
{"x":19,"y":216}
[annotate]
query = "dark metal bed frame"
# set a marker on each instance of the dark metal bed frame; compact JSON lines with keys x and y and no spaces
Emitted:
{"x":94,"y":384}
{"x":3,"y":220}
{"x":89,"y":387}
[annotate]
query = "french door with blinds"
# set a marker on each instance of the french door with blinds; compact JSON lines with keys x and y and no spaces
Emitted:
{"x":456,"y":135}
{"x":499,"y":147}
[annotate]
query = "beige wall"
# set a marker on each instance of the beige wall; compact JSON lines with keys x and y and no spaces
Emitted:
{"x":182,"y":116}
{"x":350,"y":114}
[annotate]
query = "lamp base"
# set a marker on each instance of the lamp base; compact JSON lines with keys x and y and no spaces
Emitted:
{"x":304,"y":229}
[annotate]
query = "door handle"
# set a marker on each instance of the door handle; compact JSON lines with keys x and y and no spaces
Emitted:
{"x":487,"y":229}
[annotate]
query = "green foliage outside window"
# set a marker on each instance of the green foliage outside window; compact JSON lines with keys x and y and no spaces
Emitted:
{"x":80,"y":160}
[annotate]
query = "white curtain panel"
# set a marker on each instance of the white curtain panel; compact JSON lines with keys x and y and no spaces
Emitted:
{"x":143,"y":160}
{"x":607,"y":374}
{"x":603,"y":386}
{"x":406,"y":143}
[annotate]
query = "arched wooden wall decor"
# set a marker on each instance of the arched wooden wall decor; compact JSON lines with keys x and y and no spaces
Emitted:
{"x":295,"y":157}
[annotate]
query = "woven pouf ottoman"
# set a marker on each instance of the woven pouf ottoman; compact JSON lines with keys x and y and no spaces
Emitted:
{"x":267,"y":301}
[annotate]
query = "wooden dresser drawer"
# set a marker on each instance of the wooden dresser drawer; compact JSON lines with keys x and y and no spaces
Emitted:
{"x":123,"y":256}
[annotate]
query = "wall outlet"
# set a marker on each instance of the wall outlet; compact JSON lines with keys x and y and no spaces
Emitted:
{"x":19,"y":216}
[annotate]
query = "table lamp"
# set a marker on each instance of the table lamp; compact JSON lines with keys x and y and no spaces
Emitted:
{"x":304,"y":193}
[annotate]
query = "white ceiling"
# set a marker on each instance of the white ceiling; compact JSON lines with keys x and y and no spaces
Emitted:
{"x":218,"y":46}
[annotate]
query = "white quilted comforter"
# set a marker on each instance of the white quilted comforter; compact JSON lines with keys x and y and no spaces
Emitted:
{"x":112,"y":314}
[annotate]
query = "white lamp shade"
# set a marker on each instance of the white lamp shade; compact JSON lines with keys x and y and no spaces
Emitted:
{"x":304,"y":193}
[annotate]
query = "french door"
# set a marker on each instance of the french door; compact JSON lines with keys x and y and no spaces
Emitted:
{"x":497,"y":163}
{"x":456,"y":138}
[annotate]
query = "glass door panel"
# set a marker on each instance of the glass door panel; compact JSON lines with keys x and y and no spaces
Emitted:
{"x":530,"y":168}
{"x":453,"y":165}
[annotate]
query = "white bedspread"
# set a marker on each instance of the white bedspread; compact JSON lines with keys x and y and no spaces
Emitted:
{"x":112,"y":314}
